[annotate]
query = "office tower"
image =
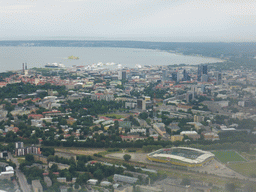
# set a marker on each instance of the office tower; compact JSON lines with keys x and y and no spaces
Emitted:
{"x":218,"y":78}
{"x":185,"y":76}
{"x":204,"y":69}
{"x":123,"y":75}
{"x":174,"y":76}
{"x":199,"y":73}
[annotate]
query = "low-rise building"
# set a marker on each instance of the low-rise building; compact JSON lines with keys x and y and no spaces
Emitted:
{"x":125,"y":179}
{"x":191,"y":134}
{"x":177,"y":138}
{"x":160,"y":128}
{"x":36,"y":185}
{"x":48,"y":181}
{"x":62,"y":179}
{"x":92,"y":181}
{"x":124,"y":189}
{"x":211,"y":136}
{"x":143,"y":188}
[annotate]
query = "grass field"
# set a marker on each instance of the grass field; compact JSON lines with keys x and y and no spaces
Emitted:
{"x":228,"y":156}
{"x":114,"y":115}
{"x":246,"y":169}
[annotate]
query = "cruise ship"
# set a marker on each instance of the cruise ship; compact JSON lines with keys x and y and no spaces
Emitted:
{"x":54,"y":65}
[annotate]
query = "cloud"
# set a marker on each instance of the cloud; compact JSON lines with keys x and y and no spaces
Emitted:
{"x":18,"y":8}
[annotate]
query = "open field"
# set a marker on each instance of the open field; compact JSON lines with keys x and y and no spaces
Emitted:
{"x":137,"y":157}
{"x":228,"y":156}
{"x":247,"y":168}
{"x":114,"y":115}
{"x":21,"y":159}
{"x":78,"y":151}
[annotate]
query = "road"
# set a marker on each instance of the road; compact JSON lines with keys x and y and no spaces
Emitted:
{"x":21,"y":177}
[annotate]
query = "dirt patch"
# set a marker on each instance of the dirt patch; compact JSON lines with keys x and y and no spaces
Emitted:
{"x":138,"y":157}
{"x":81,"y":151}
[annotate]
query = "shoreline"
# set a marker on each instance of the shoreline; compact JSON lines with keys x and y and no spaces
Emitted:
{"x":139,"y":56}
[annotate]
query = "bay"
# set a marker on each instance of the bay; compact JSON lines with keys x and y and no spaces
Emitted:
{"x":12,"y":57}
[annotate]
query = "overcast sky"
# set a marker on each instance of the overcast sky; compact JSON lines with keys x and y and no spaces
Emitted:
{"x":155,"y":20}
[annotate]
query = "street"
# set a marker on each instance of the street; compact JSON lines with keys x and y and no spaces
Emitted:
{"x":21,"y":177}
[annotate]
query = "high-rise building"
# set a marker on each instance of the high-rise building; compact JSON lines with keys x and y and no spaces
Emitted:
{"x":165,"y":75}
{"x":218,"y":78}
{"x":174,"y":76}
{"x":203,"y":88}
{"x":185,"y":76}
{"x":123,"y":75}
{"x":199,"y":73}
{"x":141,"y":104}
{"x":189,"y":96}
{"x":204,"y":69}
{"x":19,"y":145}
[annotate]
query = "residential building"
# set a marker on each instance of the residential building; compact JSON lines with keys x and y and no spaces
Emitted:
{"x":36,"y":185}
{"x":177,"y":138}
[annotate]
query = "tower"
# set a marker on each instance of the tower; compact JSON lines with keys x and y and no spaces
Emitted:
{"x":174,"y":76}
{"x":123,"y":75}
{"x":185,"y":76}
{"x":204,"y":69}
{"x":219,"y":78}
{"x":199,"y":73}
{"x":23,"y":68}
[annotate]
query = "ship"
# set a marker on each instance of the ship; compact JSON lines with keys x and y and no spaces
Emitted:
{"x":54,"y":65}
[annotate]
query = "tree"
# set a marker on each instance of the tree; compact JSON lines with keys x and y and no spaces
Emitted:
{"x":230,"y":187}
{"x":54,"y":168}
{"x":29,"y":158}
{"x":185,"y":181}
{"x":143,"y":115}
{"x":98,"y":174}
{"x":127,"y":157}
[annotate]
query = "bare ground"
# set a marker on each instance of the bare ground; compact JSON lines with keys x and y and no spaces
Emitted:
{"x":80,"y":151}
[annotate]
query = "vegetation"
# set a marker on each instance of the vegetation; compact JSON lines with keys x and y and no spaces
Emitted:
{"x":228,"y":156}
{"x":246,"y":168}
{"x":127,"y":157}
{"x":13,"y":90}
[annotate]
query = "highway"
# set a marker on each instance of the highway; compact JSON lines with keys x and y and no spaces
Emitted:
{"x":21,"y":177}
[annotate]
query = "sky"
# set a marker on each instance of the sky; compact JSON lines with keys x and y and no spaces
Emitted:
{"x":146,"y":20}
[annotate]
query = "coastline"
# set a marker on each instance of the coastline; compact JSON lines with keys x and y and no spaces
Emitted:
{"x":178,"y":53}
{"x":12,"y":57}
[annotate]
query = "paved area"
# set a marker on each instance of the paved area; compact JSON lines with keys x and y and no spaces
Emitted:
{"x":212,"y":167}
{"x":21,"y":177}
{"x":219,"y":169}
{"x":138,"y":157}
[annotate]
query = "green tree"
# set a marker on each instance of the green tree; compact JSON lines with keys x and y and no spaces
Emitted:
{"x":29,"y":158}
{"x":143,"y":115}
{"x":185,"y":181}
{"x":127,"y":157}
{"x":230,"y":187}
{"x":54,"y":168}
